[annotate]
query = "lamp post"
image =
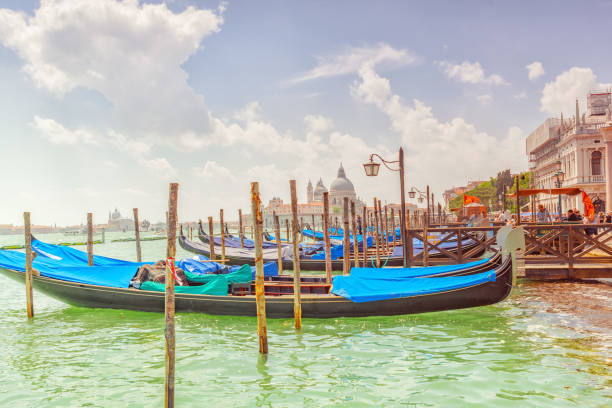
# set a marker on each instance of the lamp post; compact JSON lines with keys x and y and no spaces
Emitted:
{"x":558,"y":183}
{"x":371,"y":169}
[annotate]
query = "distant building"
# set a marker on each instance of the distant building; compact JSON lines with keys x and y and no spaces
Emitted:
{"x":574,"y":147}
{"x":118,"y":223}
{"x":341,"y":187}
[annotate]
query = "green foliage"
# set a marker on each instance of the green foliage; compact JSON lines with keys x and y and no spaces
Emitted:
{"x":489,"y":191}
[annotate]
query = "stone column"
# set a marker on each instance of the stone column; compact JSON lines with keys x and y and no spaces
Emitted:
{"x":606,"y":132}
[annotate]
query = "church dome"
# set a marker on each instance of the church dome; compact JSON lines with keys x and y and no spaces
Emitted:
{"x":341,"y":183}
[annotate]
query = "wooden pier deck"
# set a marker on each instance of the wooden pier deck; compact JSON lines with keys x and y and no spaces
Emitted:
{"x":557,"y":251}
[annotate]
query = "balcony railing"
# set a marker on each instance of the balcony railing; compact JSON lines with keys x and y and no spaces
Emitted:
{"x":584,"y":180}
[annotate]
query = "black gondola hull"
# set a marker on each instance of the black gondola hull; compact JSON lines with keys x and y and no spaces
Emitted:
{"x":313,"y":306}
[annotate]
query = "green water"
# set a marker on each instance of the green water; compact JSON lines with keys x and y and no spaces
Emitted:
{"x":541,"y":347}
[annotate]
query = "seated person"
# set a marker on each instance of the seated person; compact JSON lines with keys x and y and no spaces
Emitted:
{"x":157,"y":273}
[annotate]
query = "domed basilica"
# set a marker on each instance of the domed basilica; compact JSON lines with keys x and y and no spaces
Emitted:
{"x":341,"y":187}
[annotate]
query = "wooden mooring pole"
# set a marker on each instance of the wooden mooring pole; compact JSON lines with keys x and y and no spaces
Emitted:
{"x":287,"y":228}
{"x":170,"y":332}
{"x":28,"y":267}
{"x":427,"y":212}
{"x":346,"y":256}
{"x":221,"y":224}
{"x":314,"y":238}
{"x":137,"y":231}
{"x":355,"y":233}
{"x":393,"y":225}
{"x":376,"y":230}
{"x":425,"y":242}
{"x":328,"y":262}
{"x":211,"y":238}
{"x":260,"y":295}
{"x":279,"y":246}
{"x":365,"y":234}
{"x":240,"y":229}
{"x":297,"y":295}
{"x":518,"y":202}
{"x":89,"y":239}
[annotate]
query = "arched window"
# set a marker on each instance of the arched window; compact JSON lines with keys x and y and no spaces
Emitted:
{"x":596,"y":163}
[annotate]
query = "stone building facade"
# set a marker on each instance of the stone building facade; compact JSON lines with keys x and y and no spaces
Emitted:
{"x":575,"y":147}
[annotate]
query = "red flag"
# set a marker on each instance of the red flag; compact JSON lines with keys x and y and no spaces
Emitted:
{"x":468,"y":199}
{"x":589,"y":210}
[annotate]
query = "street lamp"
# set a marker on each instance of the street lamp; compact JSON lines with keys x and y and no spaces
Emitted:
{"x":559,"y":182}
{"x":371,"y":169}
{"x":413,"y":191}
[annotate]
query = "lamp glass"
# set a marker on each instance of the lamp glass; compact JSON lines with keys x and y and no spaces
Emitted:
{"x":411,"y":193}
{"x":371,"y":168}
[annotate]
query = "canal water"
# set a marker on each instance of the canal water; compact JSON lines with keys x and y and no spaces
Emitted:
{"x":548,"y":345}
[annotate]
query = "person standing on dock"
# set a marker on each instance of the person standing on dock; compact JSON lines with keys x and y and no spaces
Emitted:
{"x":543,"y":215}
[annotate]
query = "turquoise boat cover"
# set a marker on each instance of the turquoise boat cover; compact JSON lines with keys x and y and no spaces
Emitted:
{"x":216,"y":286}
{"x":395,"y":273}
{"x":369,"y":290}
{"x":67,"y":255}
{"x":116,"y":276}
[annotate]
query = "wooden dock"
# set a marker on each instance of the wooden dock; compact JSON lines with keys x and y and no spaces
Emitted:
{"x":553,"y":251}
{"x":564,"y":272}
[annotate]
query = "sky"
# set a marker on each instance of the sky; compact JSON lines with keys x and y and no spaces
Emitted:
{"x":104,"y":102}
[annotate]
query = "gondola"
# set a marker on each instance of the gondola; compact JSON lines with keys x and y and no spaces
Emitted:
{"x":424,"y":294}
{"x":240,"y":256}
{"x":315,"y":306}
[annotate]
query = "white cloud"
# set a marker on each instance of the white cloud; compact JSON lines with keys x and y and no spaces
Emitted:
{"x":317,"y":123}
{"x":438,"y":152}
{"x":134,"y":192}
{"x":129,"y":52}
{"x":88,"y":192}
{"x":159,"y":165}
{"x":535,"y":70}
{"x":351,"y":59}
{"x":470,"y":72}
{"x":58,"y":134}
{"x":485,"y":99}
{"x":110,"y":163}
{"x":520,"y":95}
{"x":134,"y":147}
{"x":214,"y":171}
{"x":560,"y":95}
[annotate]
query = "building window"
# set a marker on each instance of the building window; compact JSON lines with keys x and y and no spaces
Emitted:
{"x":596,"y":163}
